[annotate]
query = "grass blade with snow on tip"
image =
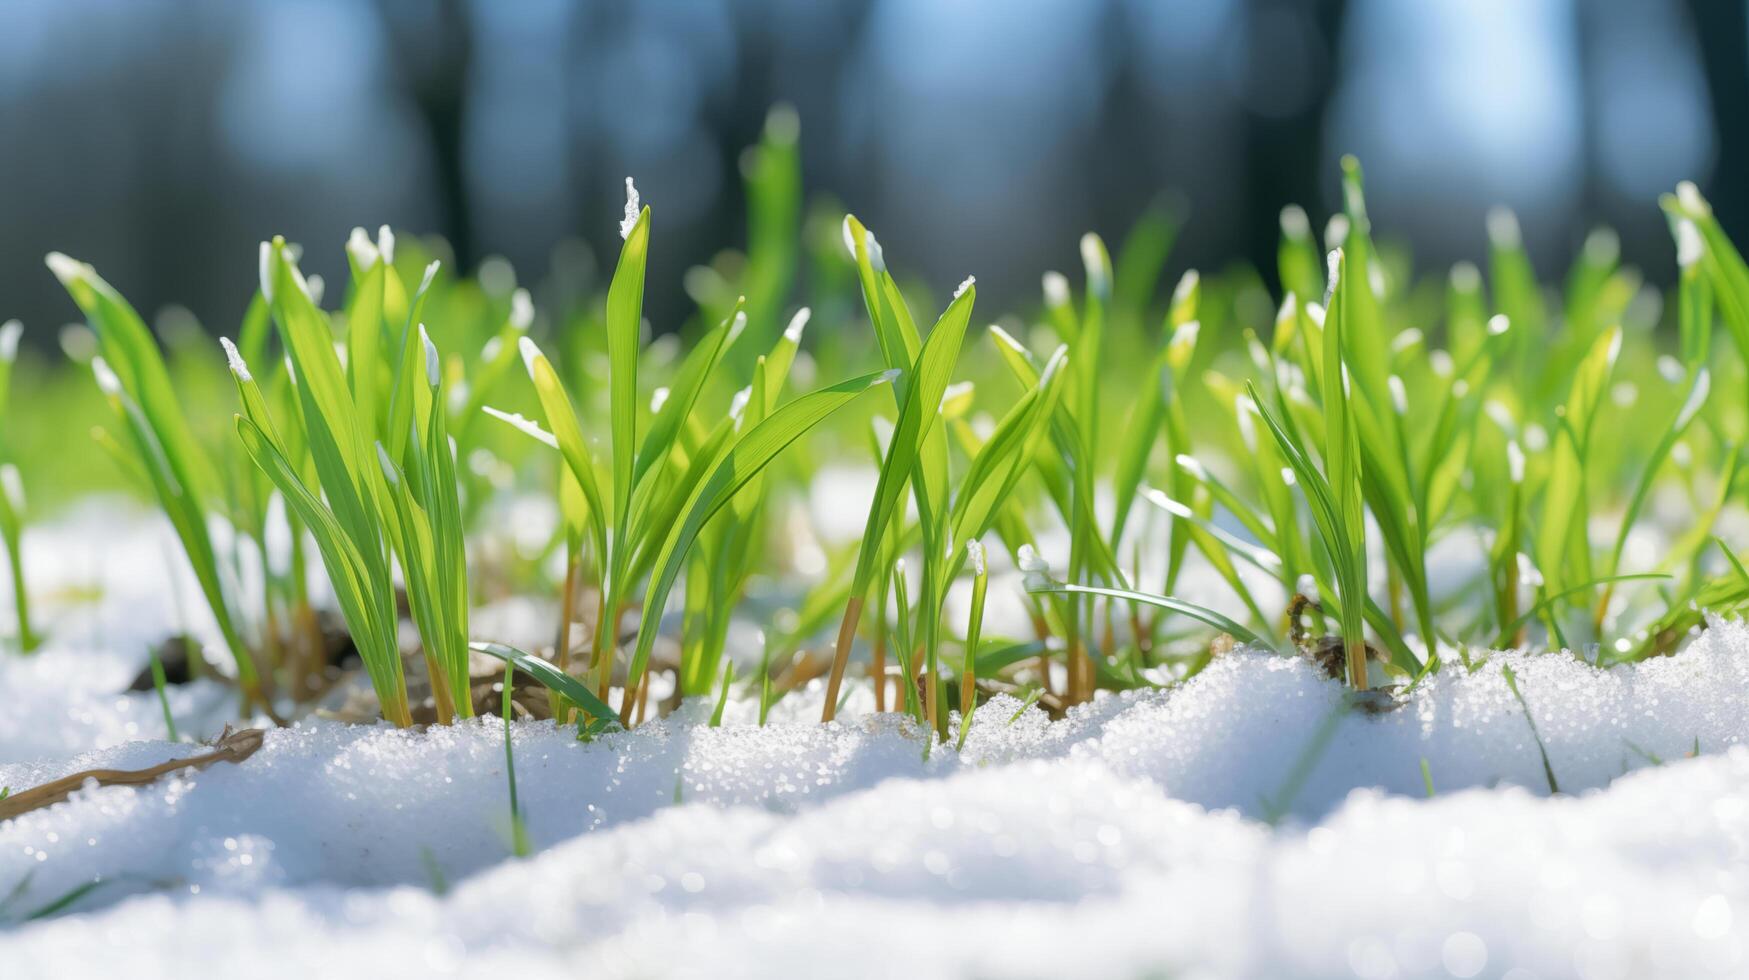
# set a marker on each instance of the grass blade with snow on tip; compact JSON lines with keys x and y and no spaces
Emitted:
{"x":625,"y":313}
{"x":138,"y":384}
{"x":924,"y":386}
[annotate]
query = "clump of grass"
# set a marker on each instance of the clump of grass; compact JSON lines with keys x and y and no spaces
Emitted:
{"x":359,"y":504}
{"x":1311,"y":460}
{"x":666,"y":493}
{"x":162,"y":452}
{"x":916,"y":455}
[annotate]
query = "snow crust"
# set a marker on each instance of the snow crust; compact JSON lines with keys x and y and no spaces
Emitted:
{"x":1239,"y":824}
{"x":740,"y":852}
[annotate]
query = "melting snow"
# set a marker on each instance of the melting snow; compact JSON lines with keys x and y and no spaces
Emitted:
{"x":1129,"y":839}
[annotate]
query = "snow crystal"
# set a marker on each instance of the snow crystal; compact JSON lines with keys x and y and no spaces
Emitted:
{"x":67,"y":269}
{"x":433,"y":362}
{"x":10,"y":332}
{"x":235,"y":360}
{"x":1056,"y":289}
{"x":1097,"y":264}
{"x":777,"y":849}
{"x":530,"y":352}
{"x":1689,"y":197}
{"x":631,"y":219}
{"x":1336,"y":230}
{"x":1689,"y":246}
{"x":797,"y":324}
{"x":264,"y":270}
{"x":107,"y":382}
{"x":361,"y":249}
{"x":1294,"y":223}
{"x":1297,"y":830}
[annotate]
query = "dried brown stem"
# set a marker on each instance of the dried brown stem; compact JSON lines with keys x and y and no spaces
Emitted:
{"x":229,"y":747}
{"x":841,"y":656}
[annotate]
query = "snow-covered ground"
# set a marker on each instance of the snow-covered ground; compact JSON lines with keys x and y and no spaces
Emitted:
{"x":1239,"y":825}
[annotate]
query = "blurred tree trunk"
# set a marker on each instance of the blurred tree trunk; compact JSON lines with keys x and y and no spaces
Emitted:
{"x":1722,"y":29}
{"x":431,"y":48}
{"x":1286,"y":161}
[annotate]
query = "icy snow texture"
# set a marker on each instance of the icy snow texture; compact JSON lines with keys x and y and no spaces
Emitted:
{"x":1125,"y":840}
{"x":1048,"y":847}
{"x":107,"y":583}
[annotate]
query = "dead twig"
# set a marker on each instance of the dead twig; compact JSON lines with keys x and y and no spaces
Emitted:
{"x":229,"y":747}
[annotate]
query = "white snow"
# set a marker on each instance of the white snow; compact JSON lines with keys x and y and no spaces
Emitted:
{"x":630,"y":220}
{"x":1056,"y":289}
{"x":107,"y":382}
{"x":235,"y":360}
{"x":1095,"y":844}
{"x":1238,"y":825}
{"x":10,"y":333}
{"x":530,"y":352}
{"x":361,"y":249}
{"x":433,"y":362}
{"x":792,"y":332}
{"x":1294,"y":223}
{"x":1689,"y":246}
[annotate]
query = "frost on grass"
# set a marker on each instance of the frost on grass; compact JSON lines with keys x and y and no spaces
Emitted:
{"x":630,"y":220}
{"x":235,"y":360}
{"x":1689,"y":246}
{"x":433,"y":362}
{"x":10,"y":332}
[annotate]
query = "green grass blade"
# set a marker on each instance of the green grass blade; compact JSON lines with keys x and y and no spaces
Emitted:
{"x":554,"y":679}
{"x":1201,"y":614}
{"x":1007,"y":454}
{"x":567,"y":435}
{"x":625,"y":313}
{"x":927,"y":382}
{"x":727,"y":474}
{"x":683,"y":393}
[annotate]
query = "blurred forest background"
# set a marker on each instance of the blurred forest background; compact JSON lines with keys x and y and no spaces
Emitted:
{"x":161,"y":139}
